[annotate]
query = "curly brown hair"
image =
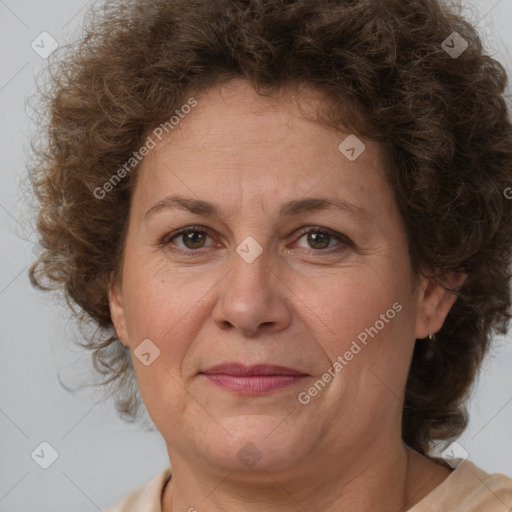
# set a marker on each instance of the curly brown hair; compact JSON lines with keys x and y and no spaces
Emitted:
{"x":442,"y":120}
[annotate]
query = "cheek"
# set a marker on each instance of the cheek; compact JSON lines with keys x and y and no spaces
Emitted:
{"x":368,"y":344}
{"x":168,"y":308}
{"x":164,"y":311}
{"x":365,"y":314}
{"x":159,"y":299}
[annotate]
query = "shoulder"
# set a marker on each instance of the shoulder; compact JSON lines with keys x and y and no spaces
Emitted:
{"x":470,"y":489}
{"x":147,"y":497}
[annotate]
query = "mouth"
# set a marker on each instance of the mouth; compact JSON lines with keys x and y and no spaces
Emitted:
{"x":252,"y":380}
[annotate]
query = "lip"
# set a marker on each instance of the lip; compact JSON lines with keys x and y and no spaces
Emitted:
{"x":252,"y":380}
{"x":255,"y":369}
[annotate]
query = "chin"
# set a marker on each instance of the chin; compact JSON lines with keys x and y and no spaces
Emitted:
{"x":256,"y":443}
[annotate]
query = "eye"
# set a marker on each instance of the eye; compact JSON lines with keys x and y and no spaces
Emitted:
{"x":321,"y":238}
{"x":192,"y":237}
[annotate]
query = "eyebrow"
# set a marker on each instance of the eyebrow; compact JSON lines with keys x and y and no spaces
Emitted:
{"x":290,"y":209}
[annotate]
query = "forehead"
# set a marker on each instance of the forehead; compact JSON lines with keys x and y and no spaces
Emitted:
{"x":238,"y":145}
{"x":233,"y":117}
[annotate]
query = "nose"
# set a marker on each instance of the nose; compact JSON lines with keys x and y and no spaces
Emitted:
{"x":252,"y":299}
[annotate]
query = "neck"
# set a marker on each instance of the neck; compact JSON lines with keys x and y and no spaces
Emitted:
{"x":382,"y":479}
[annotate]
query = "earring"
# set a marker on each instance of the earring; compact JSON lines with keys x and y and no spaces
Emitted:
{"x":431,"y":337}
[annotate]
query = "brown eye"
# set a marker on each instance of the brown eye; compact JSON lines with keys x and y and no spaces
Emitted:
{"x":320,"y":239}
{"x":191,"y":238}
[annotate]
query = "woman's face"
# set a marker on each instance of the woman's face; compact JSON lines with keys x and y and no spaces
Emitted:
{"x":303,"y":264}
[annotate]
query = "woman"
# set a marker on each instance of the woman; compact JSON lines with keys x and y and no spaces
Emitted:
{"x":288,"y":222}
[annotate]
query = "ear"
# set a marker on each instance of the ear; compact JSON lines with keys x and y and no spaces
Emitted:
{"x":117,"y":312}
{"x":435,"y":301}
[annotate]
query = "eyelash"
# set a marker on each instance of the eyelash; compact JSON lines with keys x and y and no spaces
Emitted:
{"x":166,"y":241}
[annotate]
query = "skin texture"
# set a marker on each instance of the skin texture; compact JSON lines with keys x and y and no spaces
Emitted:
{"x":297,"y":304}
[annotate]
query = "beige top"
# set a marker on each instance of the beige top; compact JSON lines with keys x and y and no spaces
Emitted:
{"x":466,"y":489}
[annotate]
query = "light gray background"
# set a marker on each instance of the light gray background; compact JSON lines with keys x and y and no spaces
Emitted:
{"x":100,"y":457}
